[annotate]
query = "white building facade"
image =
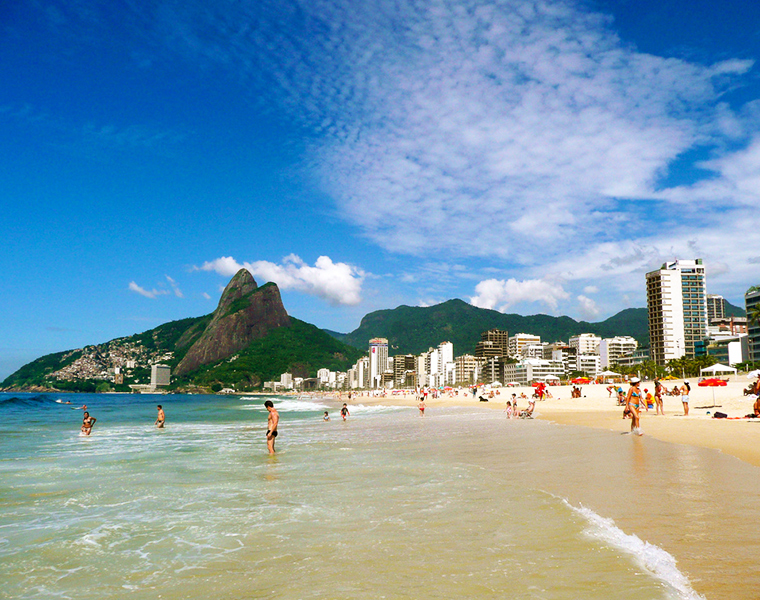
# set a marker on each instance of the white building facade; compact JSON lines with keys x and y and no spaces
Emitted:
{"x":378,"y":360}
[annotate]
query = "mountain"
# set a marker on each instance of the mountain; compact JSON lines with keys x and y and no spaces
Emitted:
{"x":245,"y":313}
{"x":733,"y":311}
{"x":247,"y":340}
{"x":414,"y":329}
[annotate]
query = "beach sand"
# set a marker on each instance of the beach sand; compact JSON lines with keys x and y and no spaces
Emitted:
{"x":595,"y":409}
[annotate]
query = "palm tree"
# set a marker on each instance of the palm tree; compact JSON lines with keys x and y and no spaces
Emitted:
{"x":753,"y":316}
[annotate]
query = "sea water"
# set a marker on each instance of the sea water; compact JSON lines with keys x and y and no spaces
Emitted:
{"x":387,"y":504}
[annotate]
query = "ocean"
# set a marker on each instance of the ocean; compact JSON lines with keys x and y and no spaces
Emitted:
{"x":388,"y":504}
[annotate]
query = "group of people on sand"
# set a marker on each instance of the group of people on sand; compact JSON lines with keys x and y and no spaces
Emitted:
{"x":513,"y":412}
{"x":636,"y":401}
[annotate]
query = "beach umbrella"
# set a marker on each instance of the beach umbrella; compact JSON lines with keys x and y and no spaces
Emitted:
{"x":712,"y":382}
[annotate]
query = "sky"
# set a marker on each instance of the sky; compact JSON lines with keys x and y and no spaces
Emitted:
{"x":529,"y":156}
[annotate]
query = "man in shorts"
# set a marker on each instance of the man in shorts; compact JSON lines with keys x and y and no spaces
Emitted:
{"x":272,"y":421}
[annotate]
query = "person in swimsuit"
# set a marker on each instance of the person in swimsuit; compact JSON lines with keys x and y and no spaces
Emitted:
{"x":326,"y":417}
{"x":632,"y":402}
{"x":272,"y":422}
{"x":685,"y":397}
{"x":659,"y":390}
{"x":421,"y":406}
{"x":87,"y":423}
{"x":161,"y":418}
{"x":344,"y":411}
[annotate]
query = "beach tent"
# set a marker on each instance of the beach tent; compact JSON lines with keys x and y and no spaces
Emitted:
{"x":609,"y":374}
{"x":719,"y":368}
{"x":552,"y":377}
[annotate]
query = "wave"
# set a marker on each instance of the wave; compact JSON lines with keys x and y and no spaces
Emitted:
{"x":289,"y":406}
{"x":656,"y":561}
{"x":25,"y":401}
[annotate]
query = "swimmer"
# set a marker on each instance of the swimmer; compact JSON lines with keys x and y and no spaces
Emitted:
{"x":161,"y":418}
{"x":87,"y":423}
{"x":327,"y":416}
{"x":272,"y":422}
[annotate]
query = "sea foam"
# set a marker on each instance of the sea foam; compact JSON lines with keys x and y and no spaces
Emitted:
{"x":656,"y":561}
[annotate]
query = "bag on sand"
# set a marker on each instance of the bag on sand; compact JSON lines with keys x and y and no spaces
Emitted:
{"x":719,"y":415}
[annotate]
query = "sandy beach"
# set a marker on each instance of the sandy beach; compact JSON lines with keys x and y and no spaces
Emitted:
{"x":596,"y":409}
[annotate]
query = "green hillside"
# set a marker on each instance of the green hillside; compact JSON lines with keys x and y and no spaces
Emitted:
{"x":412,"y":330}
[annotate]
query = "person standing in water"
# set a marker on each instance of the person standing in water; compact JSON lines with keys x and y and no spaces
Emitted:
{"x":632,"y":403}
{"x":161,"y":418}
{"x":421,"y":406}
{"x":344,"y":412}
{"x":87,"y":423}
{"x":272,"y":422}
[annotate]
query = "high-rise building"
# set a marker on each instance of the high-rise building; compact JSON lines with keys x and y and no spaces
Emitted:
{"x":751,"y":302}
{"x":378,"y":360}
{"x":468,"y":369}
{"x":519,"y":340}
{"x":612,"y":349}
{"x":160,"y":375}
{"x":677,"y":306}
{"x":716,"y":307}
{"x":493,"y":343}
{"x":585,"y":343}
{"x":404,"y":368}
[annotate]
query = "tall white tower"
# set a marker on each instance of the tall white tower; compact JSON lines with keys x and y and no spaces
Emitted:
{"x":677,"y":306}
{"x":378,"y":360}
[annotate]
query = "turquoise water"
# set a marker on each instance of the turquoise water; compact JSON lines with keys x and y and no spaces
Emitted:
{"x":385,"y":505}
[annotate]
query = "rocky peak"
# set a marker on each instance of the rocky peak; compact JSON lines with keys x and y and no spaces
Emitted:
{"x":245,"y":313}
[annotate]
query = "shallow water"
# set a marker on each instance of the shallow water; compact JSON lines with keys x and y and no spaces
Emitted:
{"x":386,"y":505}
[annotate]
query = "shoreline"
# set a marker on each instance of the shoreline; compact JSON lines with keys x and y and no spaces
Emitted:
{"x":595,"y":410}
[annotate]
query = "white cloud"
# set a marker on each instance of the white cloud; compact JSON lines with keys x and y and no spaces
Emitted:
{"x":588,"y":308}
{"x":206,"y":295}
{"x":502,"y":294}
{"x":338,"y":283}
{"x":590,"y":289}
{"x":175,"y":287}
{"x":133,"y":287}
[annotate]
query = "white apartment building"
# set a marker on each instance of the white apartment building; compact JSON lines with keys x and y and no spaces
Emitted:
{"x":677,"y":306}
{"x":423,"y":364}
{"x":467,"y":369}
{"x":160,"y":375}
{"x":286,"y":381}
{"x":612,"y":349}
{"x":532,"y":369}
{"x":532,"y":351}
{"x":378,"y":360}
{"x":585,"y":343}
{"x":324,"y":376}
{"x":591,"y":364}
{"x":518,"y":341}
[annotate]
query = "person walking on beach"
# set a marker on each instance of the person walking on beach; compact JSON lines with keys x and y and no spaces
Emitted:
{"x":272,"y":422}
{"x":685,"y":389}
{"x":87,"y":423}
{"x":161,"y":417}
{"x":632,"y":402}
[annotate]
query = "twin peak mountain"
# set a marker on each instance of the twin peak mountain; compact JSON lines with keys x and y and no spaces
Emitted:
{"x":245,"y":313}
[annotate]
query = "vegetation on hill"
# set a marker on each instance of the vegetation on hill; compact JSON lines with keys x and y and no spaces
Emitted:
{"x":300,"y":349}
{"x":412,"y":330}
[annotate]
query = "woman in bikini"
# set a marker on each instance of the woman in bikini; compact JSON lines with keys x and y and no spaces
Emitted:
{"x":87,"y":423}
{"x":632,"y":403}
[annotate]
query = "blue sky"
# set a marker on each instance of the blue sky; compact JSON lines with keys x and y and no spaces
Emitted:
{"x":526,"y":156}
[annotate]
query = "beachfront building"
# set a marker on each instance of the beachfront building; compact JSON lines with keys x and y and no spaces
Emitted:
{"x":493,"y":343}
{"x":378,"y":360}
{"x":751,"y":303}
{"x":590,"y":364}
{"x":585,"y":343}
{"x":732,"y":325}
{"x":404,"y":369}
{"x":160,"y":375}
{"x":611,"y":350}
{"x":468,"y":368}
{"x":518,"y":341}
{"x":677,"y":306}
{"x":728,"y":349}
{"x":532,"y":369}
{"x":716,"y":307}
{"x":286,"y":381}
{"x":532,"y":351}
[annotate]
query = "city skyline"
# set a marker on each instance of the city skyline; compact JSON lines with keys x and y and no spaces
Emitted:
{"x":530,"y":157}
